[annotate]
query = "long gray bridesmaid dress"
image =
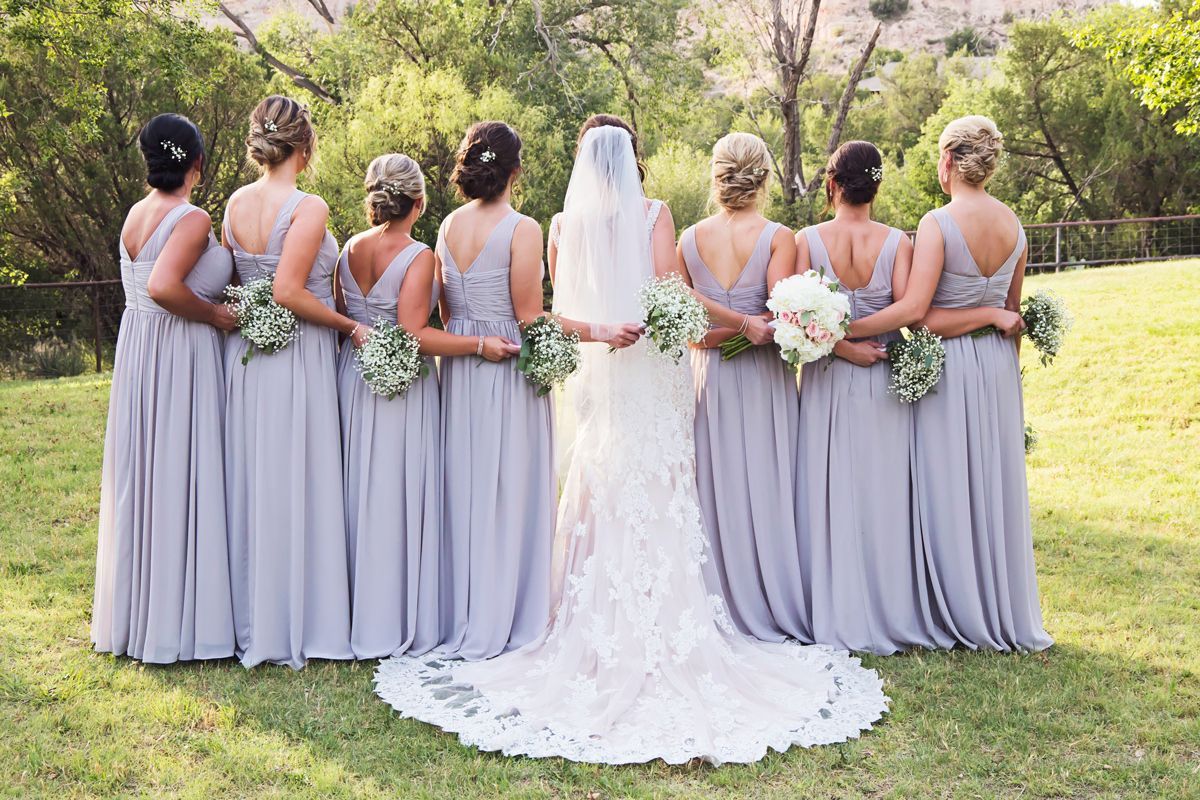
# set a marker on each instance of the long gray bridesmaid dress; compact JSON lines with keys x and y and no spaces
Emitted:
{"x":283,"y":477}
{"x":972,"y":504}
{"x":747,"y":424}
{"x":863,"y":568}
{"x":499,"y":481}
{"x":162,"y":571}
{"x":392,"y":471}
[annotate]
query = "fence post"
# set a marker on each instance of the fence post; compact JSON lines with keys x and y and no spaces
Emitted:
{"x":1058,"y":248}
{"x":96,"y":327}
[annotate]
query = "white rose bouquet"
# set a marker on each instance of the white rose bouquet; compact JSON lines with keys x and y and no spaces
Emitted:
{"x":916,"y":363}
{"x":674,"y":317}
{"x":811,"y":316}
{"x":265,"y":324}
{"x":390,"y":359}
{"x":548,"y":354}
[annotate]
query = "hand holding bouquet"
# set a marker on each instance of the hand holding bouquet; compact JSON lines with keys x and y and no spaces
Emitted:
{"x":916,"y":364}
{"x":674,"y":317}
{"x":811,"y":316}
{"x":265,"y":324}
{"x":390,"y":359}
{"x":1047,"y":321}
{"x":548,"y":354}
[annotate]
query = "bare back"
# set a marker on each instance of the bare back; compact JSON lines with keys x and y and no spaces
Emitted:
{"x":989,"y":228}
{"x":468,"y":230}
{"x":144,"y":220}
{"x":253,"y":213}
{"x":727,"y":245}
{"x":854,"y":247}
{"x":369,"y":255}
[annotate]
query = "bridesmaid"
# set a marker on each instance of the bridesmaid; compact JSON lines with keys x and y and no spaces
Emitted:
{"x":497,"y":434}
{"x":162,"y":572}
{"x":971,"y":503}
{"x":283,"y":473}
{"x":862,"y":570}
{"x":746,"y":408}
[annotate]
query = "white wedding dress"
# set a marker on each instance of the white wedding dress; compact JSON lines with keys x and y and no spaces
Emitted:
{"x":639,"y":661}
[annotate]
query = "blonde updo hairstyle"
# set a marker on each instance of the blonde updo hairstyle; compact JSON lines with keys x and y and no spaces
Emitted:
{"x":279,"y":127}
{"x":740,"y":170}
{"x":394,"y":184}
{"x":974,"y":144}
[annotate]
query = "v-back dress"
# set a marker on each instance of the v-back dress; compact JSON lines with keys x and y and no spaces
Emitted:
{"x":283,"y":477}
{"x":391,"y":465}
{"x":162,"y":572}
{"x":747,"y":424}
{"x":863,"y":568}
{"x":499,"y":481}
{"x":972,"y":503}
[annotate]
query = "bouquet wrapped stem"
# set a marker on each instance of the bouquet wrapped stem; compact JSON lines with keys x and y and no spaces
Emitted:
{"x":734,"y":346}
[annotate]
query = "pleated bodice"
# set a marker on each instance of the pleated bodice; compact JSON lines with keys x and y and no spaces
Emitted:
{"x":481,"y":293}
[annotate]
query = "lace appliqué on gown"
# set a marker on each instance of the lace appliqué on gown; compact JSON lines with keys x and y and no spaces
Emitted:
{"x":639,"y":662}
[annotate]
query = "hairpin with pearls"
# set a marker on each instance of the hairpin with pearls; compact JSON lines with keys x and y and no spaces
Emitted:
{"x":176,"y":152}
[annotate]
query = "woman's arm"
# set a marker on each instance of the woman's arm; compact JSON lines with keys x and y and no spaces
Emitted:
{"x":918,"y":286}
{"x":296,"y":262}
{"x":412,"y":313}
{"x":166,"y":286}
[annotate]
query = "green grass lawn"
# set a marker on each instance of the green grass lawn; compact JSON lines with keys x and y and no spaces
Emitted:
{"x":1112,"y":710}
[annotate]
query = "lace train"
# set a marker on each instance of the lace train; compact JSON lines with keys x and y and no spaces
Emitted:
{"x":640,"y":662}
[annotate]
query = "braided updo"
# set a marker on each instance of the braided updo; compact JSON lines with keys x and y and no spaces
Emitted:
{"x":857,"y":169}
{"x":279,"y":127}
{"x":171,"y":144}
{"x":740,"y":170}
{"x":394,"y":184}
{"x":975,"y":145}
{"x":486,"y":159}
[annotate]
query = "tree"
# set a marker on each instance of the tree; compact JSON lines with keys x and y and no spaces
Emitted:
{"x":1159,"y":52}
{"x":783,"y":31}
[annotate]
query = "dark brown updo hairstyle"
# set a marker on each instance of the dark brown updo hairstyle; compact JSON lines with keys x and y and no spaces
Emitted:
{"x":485,"y":162}
{"x":171,"y":145}
{"x":612,"y":120}
{"x":857,"y":168}
{"x":279,"y":127}
{"x":394,"y":184}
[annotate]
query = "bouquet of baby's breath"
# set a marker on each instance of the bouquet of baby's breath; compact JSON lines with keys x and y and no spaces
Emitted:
{"x":674,"y":317}
{"x":263,"y":323}
{"x":1031,"y":438}
{"x":548,"y":354}
{"x":916,"y":363}
{"x":390,"y":359}
{"x":1047,"y":321}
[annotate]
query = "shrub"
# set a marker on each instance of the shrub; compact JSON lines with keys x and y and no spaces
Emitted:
{"x":888,"y":9}
{"x":970,"y":41}
{"x":55,"y":358}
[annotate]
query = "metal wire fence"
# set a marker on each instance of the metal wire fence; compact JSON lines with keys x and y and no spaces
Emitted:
{"x":50,"y":329}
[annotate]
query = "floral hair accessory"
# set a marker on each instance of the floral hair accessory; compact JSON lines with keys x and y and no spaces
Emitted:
{"x":394,"y":189}
{"x":270,"y":127}
{"x":176,"y":152}
{"x":487,"y":156}
{"x":876,"y":173}
{"x":758,"y":172}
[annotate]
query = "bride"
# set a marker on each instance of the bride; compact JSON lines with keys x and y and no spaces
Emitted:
{"x":639,"y":661}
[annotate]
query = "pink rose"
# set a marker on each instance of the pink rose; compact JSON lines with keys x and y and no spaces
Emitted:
{"x":814,"y":331}
{"x":825,"y":336}
{"x":788,"y":317}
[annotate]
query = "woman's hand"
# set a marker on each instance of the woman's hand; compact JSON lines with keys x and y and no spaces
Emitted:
{"x":619,"y":336}
{"x":863,"y":353}
{"x":222,"y":317}
{"x":358,"y":336}
{"x":497,"y":348}
{"x":758,"y":330}
{"x":1008,"y":322}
